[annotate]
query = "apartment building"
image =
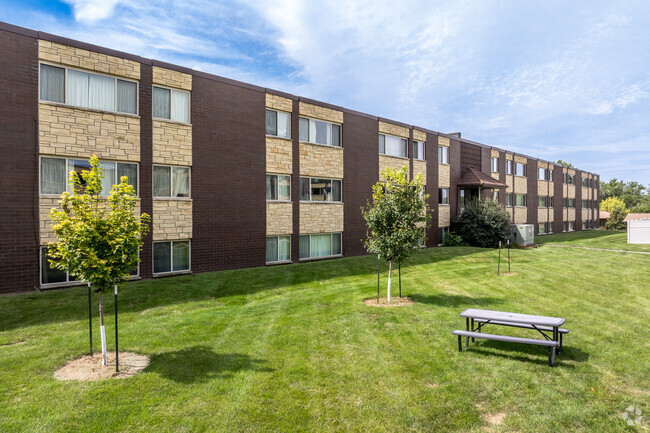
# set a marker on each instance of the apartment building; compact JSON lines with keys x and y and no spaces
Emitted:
{"x":234,"y":175}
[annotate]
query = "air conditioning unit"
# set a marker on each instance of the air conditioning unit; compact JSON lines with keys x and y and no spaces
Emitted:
{"x":523,"y":234}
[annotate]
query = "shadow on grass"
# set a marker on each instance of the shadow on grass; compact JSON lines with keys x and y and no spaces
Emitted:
{"x":517,"y":351}
{"x":573,"y":236}
{"x":200,"y":363}
{"x":443,"y":300}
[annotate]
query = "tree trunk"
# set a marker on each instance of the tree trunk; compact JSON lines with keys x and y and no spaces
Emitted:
{"x":102,"y":329}
{"x":390,"y":271}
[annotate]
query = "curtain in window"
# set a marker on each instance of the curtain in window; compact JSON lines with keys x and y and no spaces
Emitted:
{"x":131,"y":172}
{"x":101,"y":92}
{"x":161,"y":103}
{"x":304,"y":246}
{"x":127,"y":97}
{"x":109,"y":177}
{"x":319,"y":132}
{"x":161,"y":257}
{"x":180,"y":182}
{"x":181,"y":256}
{"x":304,"y":129}
{"x":77,"y":88}
{"x":394,"y":146}
{"x":272,"y":249}
{"x":336,"y":243}
{"x":321,"y":245}
{"x":161,"y":181}
{"x":53,"y":176}
{"x":271,"y":187}
{"x":181,"y":106}
{"x":271,"y":122}
{"x":304,"y":188}
{"x":284,"y":125}
{"x":284,"y":188}
{"x":284,"y":248}
{"x":336,"y":190}
{"x":52,"y":83}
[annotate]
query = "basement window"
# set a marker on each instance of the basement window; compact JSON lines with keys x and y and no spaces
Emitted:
{"x":320,"y":245}
{"x":171,"y":256}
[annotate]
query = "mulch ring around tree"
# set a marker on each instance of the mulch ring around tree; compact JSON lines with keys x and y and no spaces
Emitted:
{"x":91,"y":368}
{"x":394,"y":302}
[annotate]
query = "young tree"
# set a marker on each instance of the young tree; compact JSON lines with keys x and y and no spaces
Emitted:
{"x":98,"y":239}
{"x":397,"y":218}
{"x":609,"y":204}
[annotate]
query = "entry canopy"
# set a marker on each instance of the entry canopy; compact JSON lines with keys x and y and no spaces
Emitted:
{"x":477,"y":178}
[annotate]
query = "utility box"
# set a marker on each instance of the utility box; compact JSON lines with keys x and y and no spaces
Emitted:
{"x":523,"y":234}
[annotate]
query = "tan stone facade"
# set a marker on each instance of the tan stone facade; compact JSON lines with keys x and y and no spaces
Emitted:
{"x":521,"y":185}
{"x":444,"y":176}
{"x":89,"y":60}
{"x":544,"y":215}
{"x":279,"y":155}
{"x":78,"y":132}
{"x":569,"y":191}
{"x":444,"y":216}
{"x":171,"y":220}
{"x":321,"y":161}
{"x":169,"y":78}
{"x":172,"y":143}
{"x":521,"y":214}
{"x":321,"y":218}
{"x":545,"y":188}
{"x":320,"y":113}
{"x":419,"y":135}
{"x":390,"y":129}
{"x":279,"y":219}
{"x":275,"y":102}
{"x":392,"y":162}
{"x":420,"y":167}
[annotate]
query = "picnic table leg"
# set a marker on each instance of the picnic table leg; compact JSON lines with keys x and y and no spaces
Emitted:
{"x":551,"y":356}
{"x":467,"y":329}
{"x":460,"y":345}
{"x":555,"y":335}
{"x":560,"y":351}
{"x":473,"y":329}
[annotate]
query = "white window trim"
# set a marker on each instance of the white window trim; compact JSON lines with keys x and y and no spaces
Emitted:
{"x":424,"y":150}
{"x":276,"y":124}
{"x":321,"y":144}
{"x":318,"y":201}
{"x":514,"y":169}
{"x":281,"y":262}
{"x":171,"y":258}
{"x":65,"y":89}
{"x":307,"y":259}
{"x":448,"y":155}
{"x":160,"y":197}
{"x":172,"y":89}
{"x":290,"y":189}
{"x":67,"y":185}
{"x":448,"y":197}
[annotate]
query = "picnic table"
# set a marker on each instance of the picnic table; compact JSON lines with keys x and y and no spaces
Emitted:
{"x":548,"y":327}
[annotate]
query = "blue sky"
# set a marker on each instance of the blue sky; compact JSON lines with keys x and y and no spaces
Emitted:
{"x":551,"y":79}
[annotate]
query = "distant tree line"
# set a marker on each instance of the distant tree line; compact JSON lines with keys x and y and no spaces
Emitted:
{"x":620,"y":198}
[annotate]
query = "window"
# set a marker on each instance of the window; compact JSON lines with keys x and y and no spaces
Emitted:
{"x":520,"y":200}
{"x":508,"y":167}
{"x":443,"y":154}
{"x":278,"y":187}
{"x":520,"y":169}
{"x":392,"y":146}
{"x":509,"y":199}
{"x":569,"y":179}
{"x":545,"y":201}
{"x":585,"y":204}
{"x":55,"y":173}
{"x":88,"y":90}
{"x":541,"y":228}
{"x":319,"y":132}
{"x":316,"y":189}
{"x":572,"y":226}
{"x":584,"y":225}
{"x":462,"y":198}
{"x":495,"y":195}
{"x":418,"y":150}
{"x":320,"y":245}
{"x":442,"y":235}
{"x":278,"y":249}
{"x":278,"y":124}
{"x":585,"y":182}
{"x":171,"y":104}
{"x":544,"y":174}
{"x":171,"y":256}
{"x":569,"y":202}
{"x":51,"y":275}
{"x":494,"y":165}
{"x":443,"y":195}
{"x":171,"y":181}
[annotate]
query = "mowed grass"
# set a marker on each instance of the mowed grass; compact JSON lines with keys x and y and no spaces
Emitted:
{"x":293,"y":348}
{"x":593,"y":239}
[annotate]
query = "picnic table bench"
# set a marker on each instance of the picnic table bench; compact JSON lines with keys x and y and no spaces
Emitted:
{"x":476,"y":319}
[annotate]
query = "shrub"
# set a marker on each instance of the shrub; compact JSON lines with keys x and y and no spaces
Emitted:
{"x":616,"y":217}
{"x":483,"y":223}
{"x":453,"y":240}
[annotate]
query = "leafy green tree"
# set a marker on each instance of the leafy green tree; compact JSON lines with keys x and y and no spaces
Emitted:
{"x":641,"y":208}
{"x":632,"y":193}
{"x":616,"y":217}
{"x":565,"y":164}
{"x":98,"y":239}
{"x":397,"y":218}
{"x":483,"y":223}
{"x":610,"y":203}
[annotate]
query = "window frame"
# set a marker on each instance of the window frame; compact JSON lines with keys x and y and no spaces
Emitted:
{"x":171,"y":180}
{"x":509,"y":166}
{"x":516,"y":169}
{"x":331,"y":246}
{"x":171,"y":258}
{"x":310,"y":194}
{"x":278,"y":262}
{"x":277,"y":186}
{"x":67,"y":185}
{"x":547,"y":174}
{"x":445,"y":232}
{"x":444,"y":153}
{"x":441,"y":194}
{"x":86,"y":71}
{"x":309,"y":119}
{"x":171,"y":89}
{"x":524,"y":198}
{"x":406,"y":140}
{"x":276,"y":124}
{"x":494,"y":164}
{"x":416,"y":144}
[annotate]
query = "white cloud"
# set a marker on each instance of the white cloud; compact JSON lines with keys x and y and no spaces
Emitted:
{"x":91,"y":11}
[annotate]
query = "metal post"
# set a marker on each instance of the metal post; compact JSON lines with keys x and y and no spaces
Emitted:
{"x":499,"y":262}
{"x":378,"y":266}
{"x":90,"y":321}
{"x":116,"y":346}
{"x":399,"y":267}
{"x":508,"y":255}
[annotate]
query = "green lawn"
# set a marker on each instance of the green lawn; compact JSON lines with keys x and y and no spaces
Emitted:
{"x":593,"y":239}
{"x":293,"y":348}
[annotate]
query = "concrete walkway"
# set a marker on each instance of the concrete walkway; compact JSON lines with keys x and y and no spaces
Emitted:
{"x":597,"y":249}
